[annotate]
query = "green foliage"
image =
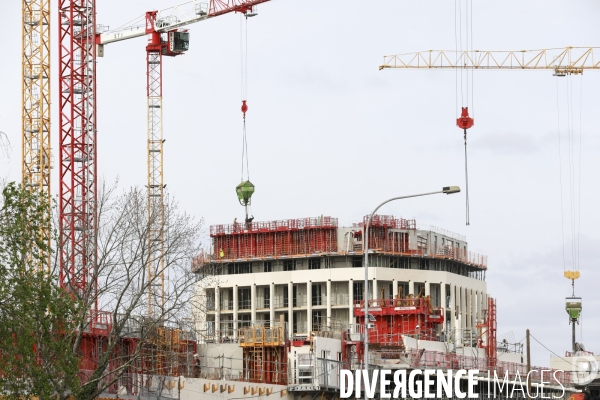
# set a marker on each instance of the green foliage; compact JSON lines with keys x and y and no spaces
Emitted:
{"x":37,"y":317}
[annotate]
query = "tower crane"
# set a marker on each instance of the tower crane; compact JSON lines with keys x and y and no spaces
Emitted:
{"x":35,"y":111}
{"x":80,"y":46}
{"x":563,"y":61}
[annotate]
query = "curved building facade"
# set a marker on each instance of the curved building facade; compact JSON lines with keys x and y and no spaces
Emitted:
{"x":310,"y":273}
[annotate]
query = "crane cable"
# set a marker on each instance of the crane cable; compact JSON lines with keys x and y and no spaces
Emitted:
{"x":573,"y":179}
{"x":468,"y":222}
{"x":244,"y":91}
{"x":465,"y":121}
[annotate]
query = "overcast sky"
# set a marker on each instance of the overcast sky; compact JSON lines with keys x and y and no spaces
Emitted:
{"x":330,"y":134}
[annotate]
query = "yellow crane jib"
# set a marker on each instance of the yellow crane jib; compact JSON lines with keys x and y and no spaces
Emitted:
{"x":563,"y":61}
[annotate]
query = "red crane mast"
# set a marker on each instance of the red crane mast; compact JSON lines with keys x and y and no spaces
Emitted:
{"x":79,"y":48}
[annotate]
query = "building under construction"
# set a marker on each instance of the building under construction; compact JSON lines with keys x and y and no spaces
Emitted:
{"x":284,"y":312}
{"x":263,"y":273}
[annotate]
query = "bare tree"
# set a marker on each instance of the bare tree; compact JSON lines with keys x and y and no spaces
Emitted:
{"x":133,"y":321}
{"x":5,"y":147}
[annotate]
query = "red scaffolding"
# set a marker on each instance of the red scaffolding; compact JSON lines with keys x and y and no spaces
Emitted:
{"x":275,"y":238}
{"x":392,"y":318}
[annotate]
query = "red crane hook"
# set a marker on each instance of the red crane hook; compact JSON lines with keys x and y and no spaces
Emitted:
{"x":465,"y":122}
{"x":244,"y":108}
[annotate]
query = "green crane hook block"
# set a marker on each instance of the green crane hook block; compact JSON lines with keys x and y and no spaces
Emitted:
{"x":244,"y":191}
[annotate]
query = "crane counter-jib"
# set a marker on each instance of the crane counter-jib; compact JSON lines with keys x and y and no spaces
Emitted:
{"x":157,"y":21}
{"x":117,"y":36}
{"x":138,"y":31}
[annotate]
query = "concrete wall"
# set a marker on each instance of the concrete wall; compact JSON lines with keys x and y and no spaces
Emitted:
{"x":194,"y":389}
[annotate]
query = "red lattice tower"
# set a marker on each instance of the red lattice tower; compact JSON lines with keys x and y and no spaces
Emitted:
{"x":78,"y":129}
{"x":77,"y":140}
{"x":491,"y":328}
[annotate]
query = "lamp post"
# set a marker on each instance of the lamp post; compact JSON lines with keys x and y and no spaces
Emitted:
{"x":447,"y":190}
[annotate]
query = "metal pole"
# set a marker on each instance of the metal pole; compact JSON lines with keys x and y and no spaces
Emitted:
{"x":528,"y":365}
{"x":366,"y":251}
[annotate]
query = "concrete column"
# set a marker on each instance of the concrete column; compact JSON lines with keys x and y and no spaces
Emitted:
{"x":200,"y":311}
{"x":217,"y":313}
{"x":411,"y":288}
{"x":394,"y":288}
{"x":272,"y":304}
{"x":291,"y":309}
{"x":351,"y":302}
{"x":463,"y":308}
{"x":443,"y":302}
{"x":309,"y":307}
{"x":253,"y":302}
{"x":329,"y":294}
{"x":427,"y":288}
{"x":375,"y":289}
{"x":453,"y":305}
{"x":460,"y":322}
{"x":235,"y":312}
{"x":482,"y":305}
{"x":479,"y":308}
{"x":474,"y":307}
{"x":443,"y":305}
{"x":467,"y":310}
{"x":470,"y":307}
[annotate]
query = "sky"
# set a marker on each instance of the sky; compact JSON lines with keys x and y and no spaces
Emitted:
{"x":330,"y":134}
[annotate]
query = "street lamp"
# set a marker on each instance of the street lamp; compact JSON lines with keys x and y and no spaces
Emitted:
{"x":445,"y":189}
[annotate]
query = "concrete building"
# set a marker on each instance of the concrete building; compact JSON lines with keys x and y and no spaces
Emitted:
{"x":311,"y":272}
{"x":280,"y":308}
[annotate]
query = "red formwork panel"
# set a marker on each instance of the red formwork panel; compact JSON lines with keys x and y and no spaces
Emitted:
{"x":275,"y":238}
{"x":389,"y":221}
{"x":395,"y":317}
{"x":381,"y":236}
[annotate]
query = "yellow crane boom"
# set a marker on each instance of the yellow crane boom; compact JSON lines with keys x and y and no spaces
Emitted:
{"x":569,"y":60}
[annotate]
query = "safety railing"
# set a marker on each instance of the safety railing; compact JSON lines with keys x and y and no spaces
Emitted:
{"x":300,"y":327}
{"x":244,"y":304}
{"x":281,"y":302}
{"x":100,"y":321}
{"x":266,"y":226}
{"x":462,"y":255}
{"x":210,"y":305}
{"x":340,"y":299}
{"x":579,"y":353}
{"x":226,"y":305}
{"x":444,"y":232}
{"x":273,"y":336}
{"x":388,"y":221}
{"x":262,"y":303}
{"x":299,"y":300}
{"x":414,"y":303}
{"x":235,"y":369}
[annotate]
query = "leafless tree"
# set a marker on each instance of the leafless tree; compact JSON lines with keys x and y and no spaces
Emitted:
{"x":125,"y":314}
{"x":4,"y":145}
